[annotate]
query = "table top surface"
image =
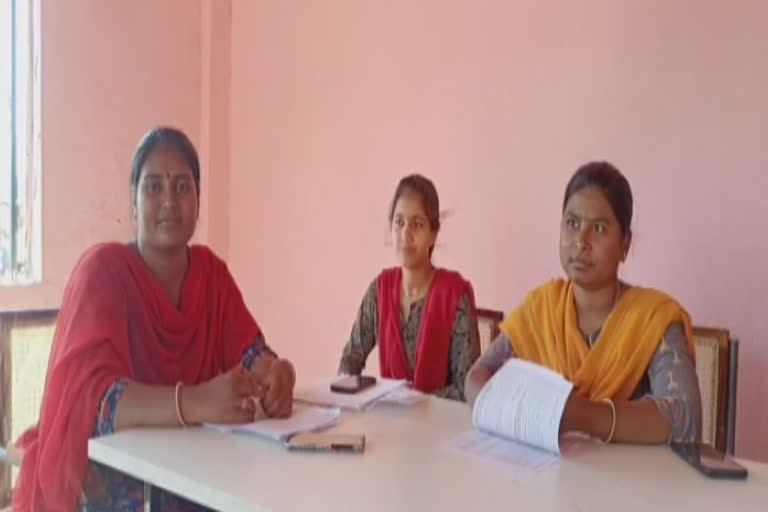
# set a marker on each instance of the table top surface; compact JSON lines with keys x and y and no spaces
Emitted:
{"x":407,"y":466}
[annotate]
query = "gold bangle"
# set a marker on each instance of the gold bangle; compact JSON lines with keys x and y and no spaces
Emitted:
{"x":613,"y":420}
{"x":177,"y":395}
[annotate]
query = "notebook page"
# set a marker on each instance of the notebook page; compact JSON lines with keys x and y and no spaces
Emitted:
{"x":523,"y":402}
{"x":526,"y":459}
{"x":303,"y":419}
{"x":403,"y":396}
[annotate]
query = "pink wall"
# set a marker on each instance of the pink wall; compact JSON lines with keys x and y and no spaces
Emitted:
{"x":498,"y":102}
{"x":111,"y":70}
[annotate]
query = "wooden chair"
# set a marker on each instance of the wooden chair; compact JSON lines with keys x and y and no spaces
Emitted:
{"x":717,"y":371}
{"x":17,"y":330}
{"x":488,"y":322}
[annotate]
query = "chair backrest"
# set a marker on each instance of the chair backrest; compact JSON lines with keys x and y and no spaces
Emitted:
{"x":488,"y":322}
{"x":25,"y":340}
{"x":717,"y":368}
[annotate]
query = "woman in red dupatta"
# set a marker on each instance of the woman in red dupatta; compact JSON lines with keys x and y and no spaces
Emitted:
{"x":422,"y":317}
{"x":152,"y":333}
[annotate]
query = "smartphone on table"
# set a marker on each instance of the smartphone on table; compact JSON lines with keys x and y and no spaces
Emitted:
{"x":709,"y":461}
{"x":353,"y":384}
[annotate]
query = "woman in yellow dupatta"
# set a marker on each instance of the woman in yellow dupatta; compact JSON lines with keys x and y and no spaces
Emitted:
{"x":628,"y":350}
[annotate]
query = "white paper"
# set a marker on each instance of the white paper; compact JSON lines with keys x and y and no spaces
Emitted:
{"x":403,"y":396}
{"x":303,"y":419}
{"x":320,"y":394}
{"x":523,"y":402}
{"x":527,"y":459}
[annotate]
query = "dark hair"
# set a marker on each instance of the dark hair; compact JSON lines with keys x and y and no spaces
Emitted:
{"x":168,"y":138}
{"x":425,"y":189}
{"x":612,"y":184}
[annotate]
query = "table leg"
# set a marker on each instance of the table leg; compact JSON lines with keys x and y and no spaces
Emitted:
{"x":147,"y":497}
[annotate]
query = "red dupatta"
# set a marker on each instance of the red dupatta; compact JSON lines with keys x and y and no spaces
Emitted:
{"x":434,"y":339}
{"x":115,"y":322}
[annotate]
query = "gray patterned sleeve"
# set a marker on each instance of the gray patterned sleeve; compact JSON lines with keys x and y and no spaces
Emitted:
{"x":496,"y":355}
{"x":364,"y":335}
{"x":674,"y":385}
{"x":465,"y":348}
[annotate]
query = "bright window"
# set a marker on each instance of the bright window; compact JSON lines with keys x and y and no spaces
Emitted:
{"x":19,"y":143}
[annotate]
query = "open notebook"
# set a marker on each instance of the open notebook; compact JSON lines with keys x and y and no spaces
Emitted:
{"x":303,"y":419}
{"x":523,"y":402}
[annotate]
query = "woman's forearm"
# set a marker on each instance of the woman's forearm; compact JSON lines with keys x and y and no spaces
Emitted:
{"x":637,"y":421}
{"x":143,"y":405}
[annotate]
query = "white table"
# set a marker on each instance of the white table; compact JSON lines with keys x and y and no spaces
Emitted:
{"x":406,"y":467}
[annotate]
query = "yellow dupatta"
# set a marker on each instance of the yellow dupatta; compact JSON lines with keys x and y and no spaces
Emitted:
{"x":545,"y":330}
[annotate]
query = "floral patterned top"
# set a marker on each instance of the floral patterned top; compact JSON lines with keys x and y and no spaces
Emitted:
{"x":465,"y":340}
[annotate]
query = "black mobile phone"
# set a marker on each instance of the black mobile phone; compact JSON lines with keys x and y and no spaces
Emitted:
{"x":353,"y":384}
{"x":709,"y":461}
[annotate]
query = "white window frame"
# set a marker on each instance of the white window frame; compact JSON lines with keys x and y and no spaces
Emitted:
{"x":20,"y":183}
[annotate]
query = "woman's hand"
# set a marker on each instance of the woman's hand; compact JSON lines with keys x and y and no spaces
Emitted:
{"x":232,"y":397}
{"x":278,"y":388}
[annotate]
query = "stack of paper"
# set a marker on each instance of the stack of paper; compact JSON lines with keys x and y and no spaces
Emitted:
{"x":403,"y":396}
{"x":523,"y":402}
{"x":303,"y":419}
{"x":320,"y":394}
